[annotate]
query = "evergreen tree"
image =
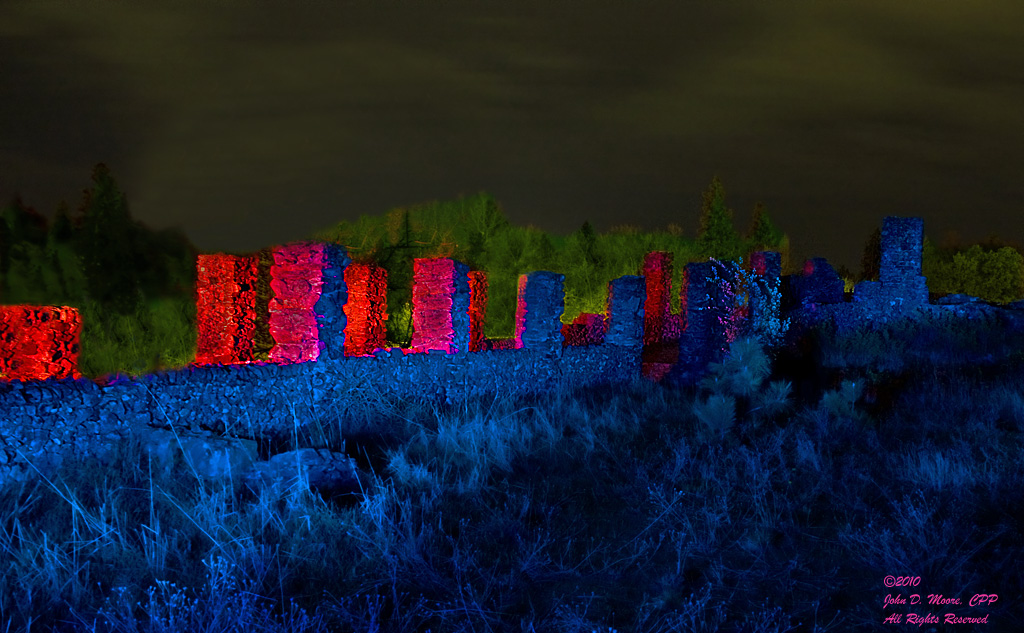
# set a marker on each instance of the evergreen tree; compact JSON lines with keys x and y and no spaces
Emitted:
{"x":62,"y":229}
{"x":540,"y":253}
{"x":717,"y":236}
{"x":763,"y":235}
{"x":108,"y":245}
{"x":871,"y":259}
{"x":26,"y":224}
{"x":6,"y":244}
{"x":786,"y":263}
{"x":150,"y":263}
{"x":587,"y":240}
{"x":23,"y":233}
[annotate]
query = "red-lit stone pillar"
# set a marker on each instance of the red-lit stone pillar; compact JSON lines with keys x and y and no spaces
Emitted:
{"x":296,"y":279}
{"x":657,"y":274}
{"x":477,"y":309}
{"x":366,"y":309}
{"x":440,"y":305}
{"x":39,"y":342}
{"x":225,"y":304}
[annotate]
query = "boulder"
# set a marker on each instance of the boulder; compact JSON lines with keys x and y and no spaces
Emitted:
{"x":230,"y":459}
{"x":210,"y":456}
{"x":329,"y":473}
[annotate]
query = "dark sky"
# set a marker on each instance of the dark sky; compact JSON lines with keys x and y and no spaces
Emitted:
{"x":249,"y":123}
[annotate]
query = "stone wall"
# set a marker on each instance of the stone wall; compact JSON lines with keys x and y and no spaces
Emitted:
{"x":900,"y":293}
{"x":45,"y":420}
{"x":296,"y":278}
{"x":53,"y":418}
{"x":818,"y":284}
{"x":310,"y":371}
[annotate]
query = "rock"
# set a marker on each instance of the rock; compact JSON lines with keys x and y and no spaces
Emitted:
{"x":212,"y":457}
{"x":956,"y":299}
{"x":235,"y":460}
{"x":329,"y":473}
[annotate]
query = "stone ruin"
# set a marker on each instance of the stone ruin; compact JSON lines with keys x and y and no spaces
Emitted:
{"x":327,"y":319}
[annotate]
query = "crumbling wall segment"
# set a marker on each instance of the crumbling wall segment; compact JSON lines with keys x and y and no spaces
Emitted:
{"x":365,"y":310}
{"x":477,"y":309}
{"x":296,"y":279}
{"x":585,"y":329}
{"x":39,"y":342}
{"x":626,"y":300}
{"x":657,"y":275}
{"x":539,"y":308}
{"x":440,"y":305}
{"x":225,"y":304}
{"x":49,"y":418}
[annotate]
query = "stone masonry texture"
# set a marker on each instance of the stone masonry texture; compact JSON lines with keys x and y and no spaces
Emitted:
{"x":41,"y":421}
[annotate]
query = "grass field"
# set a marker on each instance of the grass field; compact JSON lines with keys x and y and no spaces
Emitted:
{"x":773,"y":498}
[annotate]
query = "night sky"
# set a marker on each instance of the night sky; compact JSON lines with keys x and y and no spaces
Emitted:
{"x":250,"y":123}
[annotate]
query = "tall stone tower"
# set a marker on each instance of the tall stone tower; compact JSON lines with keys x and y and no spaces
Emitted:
{"x":900,"y":279}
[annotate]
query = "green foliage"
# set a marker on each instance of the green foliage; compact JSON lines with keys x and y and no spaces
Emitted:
{"x":848,"y":277}
{"x":763,"y":234}
{"x":262,"y":340}
{"x":22,"y":236}
{"x":785,"y":251}
{"x":25,"y":223}
{"x":741,"y":372}
{"x":1003,"y":276}
{"x":471,"y":229}
{"x":937,"y":267}
{"x":996,"y":276}
{"x":153,"y":325}
{"x":108,"y":245}
{"x":992,"y":276}
{"x":102,"y":261}
{"x":841,"y":402}
{"x":62,"y":229}
{"x":717,"y":414}
{"x":717,"y":237}
{"x":161,"y":333}
{"x":737,"y":385}
{"x":474,"y":230}
{"x":6,"y":244}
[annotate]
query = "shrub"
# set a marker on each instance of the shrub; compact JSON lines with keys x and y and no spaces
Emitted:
{"x":741,"y":372}
{"x":717,"y":413}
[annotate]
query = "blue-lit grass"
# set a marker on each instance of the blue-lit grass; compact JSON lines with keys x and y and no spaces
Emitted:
{"x":593,"y":510}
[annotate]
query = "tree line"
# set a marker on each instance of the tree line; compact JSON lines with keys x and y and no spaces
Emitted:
{"x":135,"y":286}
